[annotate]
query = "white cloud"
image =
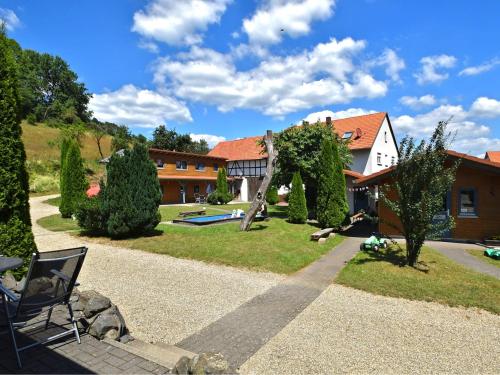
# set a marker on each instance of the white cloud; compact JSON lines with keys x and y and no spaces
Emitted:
{"x":178,"y":22}
{"x":418,"y":102}
{"x":322,"y":115}
{"x":430,"y":64}
{"x":279,"y":85}
{"x":130,"y":105}
{"x":276,"y":18}
{"x":393,"y":63}
{"x":469,"y":135}
{"x":149,"y":46}
{"x":482,"y":68}
{"x":9,"y":18}
{"x":212,"y":140}
{"x":486,"y":107}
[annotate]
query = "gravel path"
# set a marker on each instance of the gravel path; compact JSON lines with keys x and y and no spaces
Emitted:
{"x":350,"y":331}
{"x":162,"y":298}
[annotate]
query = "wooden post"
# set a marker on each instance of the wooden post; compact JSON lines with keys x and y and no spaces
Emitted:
{"x":260,"y":197}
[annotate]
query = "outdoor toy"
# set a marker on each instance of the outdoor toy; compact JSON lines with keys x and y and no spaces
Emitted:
{"x":375,"y":242}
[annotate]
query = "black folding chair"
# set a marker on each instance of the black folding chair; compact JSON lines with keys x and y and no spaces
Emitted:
{"x":50,"y":281}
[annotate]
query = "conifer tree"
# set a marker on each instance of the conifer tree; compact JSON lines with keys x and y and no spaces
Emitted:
{"x":272,"y":195}
{"x":332,"y":205}
{"x":16,"y":237}
{"x":73,"y":178}
{"x":221,"y":194}
{"x":297,"y":208}
{"x":132,"y":194}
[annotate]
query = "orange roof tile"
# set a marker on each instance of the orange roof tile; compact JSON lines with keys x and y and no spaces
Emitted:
{"x":240,"y":149}
{"x":354,"y":174}
{"x":368,"y":125}
{"x":493,"y":156}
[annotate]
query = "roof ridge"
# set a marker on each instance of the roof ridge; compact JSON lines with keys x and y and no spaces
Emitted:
{"x":365,"y":115}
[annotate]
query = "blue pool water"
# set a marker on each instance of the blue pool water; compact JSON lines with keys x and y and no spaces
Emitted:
{"x":210,"y":219}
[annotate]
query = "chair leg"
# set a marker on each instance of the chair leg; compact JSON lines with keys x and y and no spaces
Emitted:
{"x":14,"y":344}
{"x":48,"y":318}
{"x":73,"y":322}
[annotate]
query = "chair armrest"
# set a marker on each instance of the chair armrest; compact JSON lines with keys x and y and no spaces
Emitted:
{"x":61,"y":275}
{"x":10,"y":294}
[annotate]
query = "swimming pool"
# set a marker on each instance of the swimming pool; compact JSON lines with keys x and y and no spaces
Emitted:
{"x":212,"y":219}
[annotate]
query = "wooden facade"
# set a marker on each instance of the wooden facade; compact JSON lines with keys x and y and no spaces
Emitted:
{"x":473,"y":202}
{"x":183,"y":175}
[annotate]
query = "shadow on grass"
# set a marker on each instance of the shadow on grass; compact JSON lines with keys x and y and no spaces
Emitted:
{"x":90,"y":234}
{"x":394,"y":255}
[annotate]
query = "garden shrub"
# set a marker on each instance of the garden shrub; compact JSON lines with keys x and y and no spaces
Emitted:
{"x":16,"y":237}
{"x":297,"y":208}
{"x":272,"y":195}
{"x":74,"y":183}
{"x":91,"y":216}
{"x":221,"y":194}
{"x":332,"y":207}
{"x":42,"y":184}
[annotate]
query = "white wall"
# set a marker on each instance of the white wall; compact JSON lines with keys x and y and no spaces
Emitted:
{"x":386,"y":149}
{"x":359,"y":160}
{"x":244,"y":190}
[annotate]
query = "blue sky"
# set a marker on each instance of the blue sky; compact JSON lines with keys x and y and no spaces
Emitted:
{"x":226,"y":69}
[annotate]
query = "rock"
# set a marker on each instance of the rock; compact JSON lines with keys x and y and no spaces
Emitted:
{"x":322,"y":240}
{"x":332,"y":235}
{"x":103,"y":324}
{"x":9,"y":281}
{"x":20,"y":285}
{"x":38,"y":285}
{"x":126,"y":338}
{"x":96,"y":304}
{"x":182,"y":366}
{"x":113,"y":334}
{"x":82,"y":299}
{"x":208,"y":363}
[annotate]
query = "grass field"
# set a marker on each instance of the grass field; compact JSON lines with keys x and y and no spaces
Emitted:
{"x":57,"y":224}
{"x":480,"y":254}
{"x":53,"y":201}
{"x":445,"y":281}
{"x":274,"y":245}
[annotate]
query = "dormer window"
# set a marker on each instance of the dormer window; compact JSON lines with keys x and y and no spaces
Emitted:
{"x":347,"y":135}
{"x":159,"y":163}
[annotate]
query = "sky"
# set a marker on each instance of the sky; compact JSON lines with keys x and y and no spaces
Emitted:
{"x":225,"y":69}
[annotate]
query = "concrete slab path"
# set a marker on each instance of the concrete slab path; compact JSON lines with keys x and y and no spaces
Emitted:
{"x":242,"y":332}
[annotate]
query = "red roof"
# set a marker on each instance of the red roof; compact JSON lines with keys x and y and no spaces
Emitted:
{"x":469,"y":159}
{"x":493,"y":156}
{"x":240,"y":149}
{"x":368,"y":126}
{"x":364,"y":128}
{"x":354,"y":174}
{"x":185,"y":154}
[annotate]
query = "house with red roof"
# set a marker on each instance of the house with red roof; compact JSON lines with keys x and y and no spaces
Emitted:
{"x":493,"y":156}
{"x":371,"y":141}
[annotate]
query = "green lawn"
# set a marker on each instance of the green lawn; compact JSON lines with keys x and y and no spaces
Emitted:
{"x":53,"y":201}
{"x":445,"y":281}
{"x":274,"y":245}
{"x":480,"y":254}
{"x":57,"y":224}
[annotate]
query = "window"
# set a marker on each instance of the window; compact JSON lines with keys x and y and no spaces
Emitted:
{"x":159,"y":163}
{"x":216,"y":167}
{"x":182,"y":164}
{"x":200,"y":166}
{"x":385,"y":158}
{"x":467,"y":202}
{"x":347,"y":135}
{"x":393,"y":160}
{"x":379,"y":158}
{"x":196,"y":189}
{"x":385,"y":137}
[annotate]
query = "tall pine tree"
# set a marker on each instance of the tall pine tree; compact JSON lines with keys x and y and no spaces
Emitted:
{"x":16,"y":237}
{"x":132,"y":194}
{"x":73,"y":180}
{"x":297,"y":207}
{"x":332,"y":205}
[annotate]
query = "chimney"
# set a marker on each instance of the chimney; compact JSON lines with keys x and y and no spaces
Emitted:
{"x":328,"y":120}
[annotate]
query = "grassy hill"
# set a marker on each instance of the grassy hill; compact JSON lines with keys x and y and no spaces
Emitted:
{"x":40,"y":142}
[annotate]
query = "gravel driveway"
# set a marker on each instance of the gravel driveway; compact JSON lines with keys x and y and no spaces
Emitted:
{"x":162,"y":298}
{"x":350,"y":331}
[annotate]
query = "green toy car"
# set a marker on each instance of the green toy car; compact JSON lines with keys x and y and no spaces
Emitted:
{"x":493,"y":253}
{"x":375,"y":242}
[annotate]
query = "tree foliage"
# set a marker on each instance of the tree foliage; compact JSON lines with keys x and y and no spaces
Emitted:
{"x":16,"y":237}
{"x":221,"y":194}
{"x":74,"y":183}
{"x":299,"y":149}
{"x":297,"y":207}
{"x":272,"y":195}
{"x":165,"y":139}
{"x":420,"y":182}
{"x":332,"y":206}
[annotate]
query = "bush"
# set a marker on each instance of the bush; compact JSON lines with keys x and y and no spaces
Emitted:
{"x":132,"y":194}
{"x":31,"y":119}
{"x":272,"y":195}
{"x":297,"y":208}
{"x":90,"y":215}
{"x":221,"y":194}
{"x":74,"y":183}
{"x":42,"y":184}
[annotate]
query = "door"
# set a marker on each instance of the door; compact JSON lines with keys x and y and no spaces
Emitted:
{"x":443,"y":216}
{"x":182,"y":192}
{"x":361,"y":201}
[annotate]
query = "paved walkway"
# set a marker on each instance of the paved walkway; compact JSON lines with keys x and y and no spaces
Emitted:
{"x":458,"y":252}
{"x":242,"y":332}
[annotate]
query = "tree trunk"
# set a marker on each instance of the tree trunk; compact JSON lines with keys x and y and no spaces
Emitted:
{"x":260,"y":197}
